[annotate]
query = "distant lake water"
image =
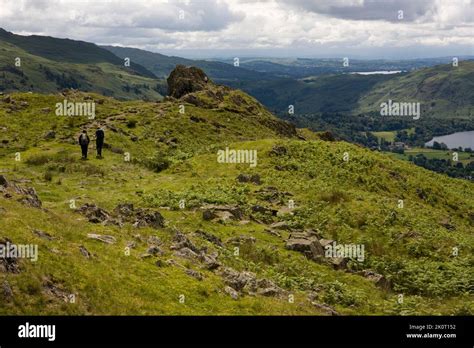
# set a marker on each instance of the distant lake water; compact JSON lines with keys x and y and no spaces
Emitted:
{"x":380,"y":72}
{"x":463,"y":139}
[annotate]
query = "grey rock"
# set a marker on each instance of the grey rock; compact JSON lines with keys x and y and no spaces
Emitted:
{"x":233,"y":293}
{"x":194,"y":274}
{"x":102,"y":238}
{"x":85,"y":252}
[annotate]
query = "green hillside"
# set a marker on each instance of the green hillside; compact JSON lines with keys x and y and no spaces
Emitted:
{"x":49,"y":65}
{"x":327,"y":93}
{"x":444,"y":91}
{"x":211,"y":238}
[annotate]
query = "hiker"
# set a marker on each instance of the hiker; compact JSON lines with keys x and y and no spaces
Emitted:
{"x":99,"y":141}
{"x":84,"y":142}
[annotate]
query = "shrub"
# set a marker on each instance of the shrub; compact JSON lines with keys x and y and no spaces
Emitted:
{"x":131,"y":123}
{"x":38,"y":160}
{"x":334,"y":197}
{"x":48,"y":175}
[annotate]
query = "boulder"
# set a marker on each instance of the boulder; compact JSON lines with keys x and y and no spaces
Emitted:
{"x":210,"y":238}
{"x":149,"y":218}
{"x":7,"y":290}
{"x":95,"y":214}
{"x":181,"y":241}
{"x":125,"y":210}
{"x":253,"y":178}
{"x":378,"y":279}
{"x":263,"y":210}
{"x":309,"y":246}
{"x":234,"y":294}
{"x":338,"y":262}
{"x":154,"y":240}
{"x":209,"y":260}
{"x":222,"y":212}
{"x":268,"y":288}
{"x":50,"y":135}
{"x":154,"y":250}
{"x":238,"y":280}
{"x":85,"y":252}
{"x":194,"y":274}
{"x":30,"y":197}
{"x":8,"y":264}
{"x":186,"y":253}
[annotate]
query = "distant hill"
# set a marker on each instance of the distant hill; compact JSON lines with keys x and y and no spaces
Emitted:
{"x":49,"y":65}
{"x":299,"y":68}
{"x":443,"y":91}
{"x":66,"y":50}
{"x":161,"y":65}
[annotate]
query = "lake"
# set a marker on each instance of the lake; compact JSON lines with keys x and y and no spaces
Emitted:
{"x":463,"y":139}
{"x":380,"y":72}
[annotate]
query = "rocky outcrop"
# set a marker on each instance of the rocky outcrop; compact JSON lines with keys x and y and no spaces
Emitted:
{"x":28,"y":195}
{"x":184,"y":80}
{"x":97,"y":215}
{"x":8,"y":264}
{"x":54,"y":289}
{"x":247,"y":283}
{"x":123,"y":213}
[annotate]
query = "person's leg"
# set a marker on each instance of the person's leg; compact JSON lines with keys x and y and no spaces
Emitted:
{"x":99,"y":145}
{"x":84,"y":152}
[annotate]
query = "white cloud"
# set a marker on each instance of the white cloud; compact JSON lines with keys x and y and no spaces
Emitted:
{"x":298,"y":25}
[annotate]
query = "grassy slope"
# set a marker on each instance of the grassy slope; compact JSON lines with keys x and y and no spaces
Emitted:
{"x":443,"y":91}
{"x":352,"y":202}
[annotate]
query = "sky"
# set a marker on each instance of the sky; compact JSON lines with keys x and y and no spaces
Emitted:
{"x":265,"y":28}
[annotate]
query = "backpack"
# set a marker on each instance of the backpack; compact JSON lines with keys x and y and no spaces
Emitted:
{"x":83,"y":139}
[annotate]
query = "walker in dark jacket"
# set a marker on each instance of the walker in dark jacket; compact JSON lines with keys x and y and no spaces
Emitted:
{"x":99,"y":141}
{"x":84,"y":142}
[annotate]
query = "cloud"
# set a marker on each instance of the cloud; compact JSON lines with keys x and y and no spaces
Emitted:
{"x":386,"y":10}
{"x":322,"y":27}
{"x":173,"y":15}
